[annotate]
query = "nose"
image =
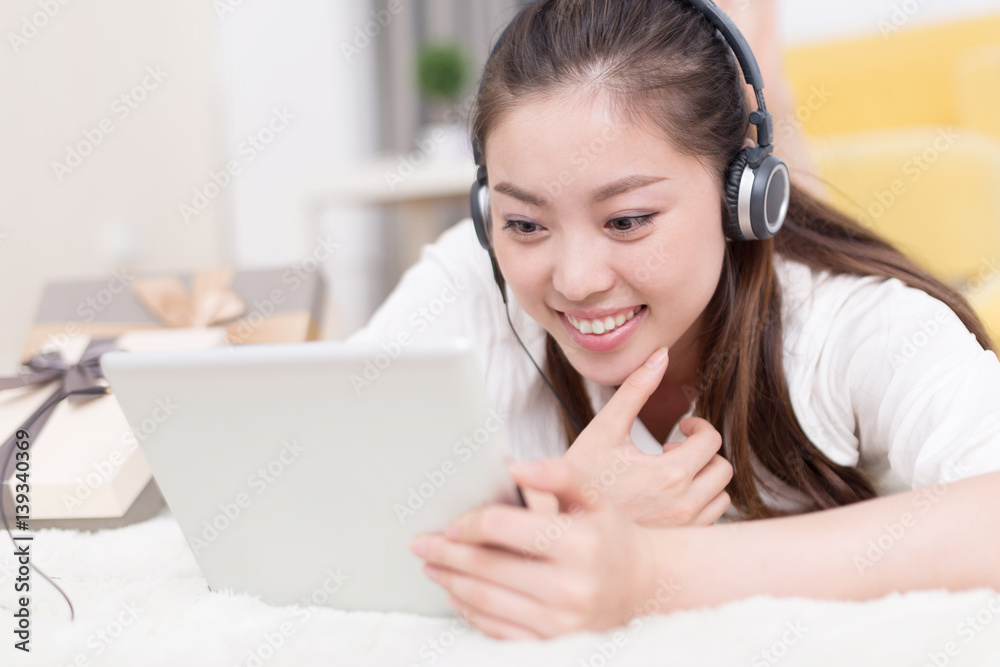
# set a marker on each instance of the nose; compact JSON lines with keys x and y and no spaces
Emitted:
{"x":581,"y":270}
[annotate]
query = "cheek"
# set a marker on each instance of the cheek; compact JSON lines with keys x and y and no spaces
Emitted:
{"x":524,"y":273}
{"x":684,"y":263}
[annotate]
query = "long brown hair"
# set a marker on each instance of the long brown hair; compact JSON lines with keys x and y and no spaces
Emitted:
{"x":661,"y":63}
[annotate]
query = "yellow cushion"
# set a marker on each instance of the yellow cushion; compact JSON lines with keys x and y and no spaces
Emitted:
{"x":977,"y":83}
{"x":906,"y":77}
{"x":933,"y":191}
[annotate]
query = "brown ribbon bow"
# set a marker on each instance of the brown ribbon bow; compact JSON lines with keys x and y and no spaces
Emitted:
{"x":210,"y":301}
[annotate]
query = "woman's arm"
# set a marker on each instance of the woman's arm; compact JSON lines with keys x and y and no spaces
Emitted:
{"x":946,"y":536}
{"x":516,"y":573}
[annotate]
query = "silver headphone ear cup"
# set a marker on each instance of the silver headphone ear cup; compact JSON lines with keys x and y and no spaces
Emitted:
{"x":479,"y":203}
{"x":768,"y":197}
{"x":757,"y":199}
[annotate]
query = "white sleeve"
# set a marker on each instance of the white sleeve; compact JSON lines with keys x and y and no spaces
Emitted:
{"x":923,"y":394}
{"x":449,"y":292}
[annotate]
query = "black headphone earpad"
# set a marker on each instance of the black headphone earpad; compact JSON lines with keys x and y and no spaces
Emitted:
{"x":731,"y":190}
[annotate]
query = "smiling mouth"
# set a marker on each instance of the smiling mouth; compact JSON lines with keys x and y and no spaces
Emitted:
{"x":598,"y":327}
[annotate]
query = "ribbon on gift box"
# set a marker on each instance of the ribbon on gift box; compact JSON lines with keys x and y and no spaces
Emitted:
{"x":77,"y":382}
{"x":274,"y":306}
{"x":210,"y":301}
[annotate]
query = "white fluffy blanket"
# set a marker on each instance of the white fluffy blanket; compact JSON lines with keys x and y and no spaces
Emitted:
{"x":141,"y":600}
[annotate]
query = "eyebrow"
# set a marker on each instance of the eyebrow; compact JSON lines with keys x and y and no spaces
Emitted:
{"x":607,"y":192}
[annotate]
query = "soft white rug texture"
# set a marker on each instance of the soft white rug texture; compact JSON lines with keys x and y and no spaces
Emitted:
{"x":141,"y":600}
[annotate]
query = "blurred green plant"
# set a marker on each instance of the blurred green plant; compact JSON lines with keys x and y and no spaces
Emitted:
{"x":442,"y":71}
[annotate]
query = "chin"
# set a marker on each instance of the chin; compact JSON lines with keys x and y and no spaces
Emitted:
{"x":608,"y":371}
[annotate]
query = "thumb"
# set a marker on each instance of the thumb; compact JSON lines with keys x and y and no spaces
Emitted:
{"x":559,"y":477}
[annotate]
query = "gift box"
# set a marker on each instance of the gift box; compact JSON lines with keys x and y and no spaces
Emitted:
{"x":85,"y":468}
{"x":282,"y":305}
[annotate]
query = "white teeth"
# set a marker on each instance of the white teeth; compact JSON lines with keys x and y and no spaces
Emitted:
{"x":599,"y":327}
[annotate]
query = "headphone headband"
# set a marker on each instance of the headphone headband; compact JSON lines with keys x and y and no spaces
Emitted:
{"x":748,"y":62}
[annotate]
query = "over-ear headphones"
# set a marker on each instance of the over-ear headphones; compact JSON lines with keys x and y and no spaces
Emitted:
{"x":757,"y":186}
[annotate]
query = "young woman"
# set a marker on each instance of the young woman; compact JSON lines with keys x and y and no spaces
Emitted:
{"x":815,"y":370}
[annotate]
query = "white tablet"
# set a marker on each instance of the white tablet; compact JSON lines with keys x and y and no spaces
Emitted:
{"x":300,"y":473}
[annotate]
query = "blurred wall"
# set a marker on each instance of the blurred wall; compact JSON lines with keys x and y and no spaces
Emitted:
{"x":119,"y":120}
{"x":110,"y":115}
{"x":817,"y":20}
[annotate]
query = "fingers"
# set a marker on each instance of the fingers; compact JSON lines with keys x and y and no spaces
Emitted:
{"x":558,"y":477}
{"x":621,"y":411}
{"x":494,"y":608}
{"x":713,"y":510}
{"x":491,"y":626}
{"x":496,"y":566}
{"x":703,"y":443}
{"x":515,"y":529}
{"x":541,"y":501}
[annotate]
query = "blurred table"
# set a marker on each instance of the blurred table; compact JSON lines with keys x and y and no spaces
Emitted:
{"x":419,"y":194}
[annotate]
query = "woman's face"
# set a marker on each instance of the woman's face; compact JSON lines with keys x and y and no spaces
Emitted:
{"x":597,"y":222}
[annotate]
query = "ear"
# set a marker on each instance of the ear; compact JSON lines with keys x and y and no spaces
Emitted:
{"x":748,"y":143}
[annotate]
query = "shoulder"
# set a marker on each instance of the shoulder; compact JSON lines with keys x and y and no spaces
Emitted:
{"x":882,"y":376}
{"x":448,"y":290}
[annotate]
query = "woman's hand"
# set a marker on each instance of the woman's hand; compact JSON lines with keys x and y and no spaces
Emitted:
{"x":520,"y":574}
{"x":685,"y":485}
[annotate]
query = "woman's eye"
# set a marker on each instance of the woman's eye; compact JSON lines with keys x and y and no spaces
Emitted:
{"x":626,"y":226}
{"x":520,"y":227}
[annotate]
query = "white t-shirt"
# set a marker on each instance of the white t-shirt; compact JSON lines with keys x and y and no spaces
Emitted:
{"x":881,"y":376}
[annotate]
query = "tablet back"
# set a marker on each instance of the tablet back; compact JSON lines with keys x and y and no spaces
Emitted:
{"x":300,"y":473}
